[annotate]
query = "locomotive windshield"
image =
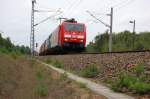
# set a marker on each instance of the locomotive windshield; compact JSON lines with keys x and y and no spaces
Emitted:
{"x":74,"y":27}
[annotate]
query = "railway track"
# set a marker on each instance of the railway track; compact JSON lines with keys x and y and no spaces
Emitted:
{"x":116,"y":52}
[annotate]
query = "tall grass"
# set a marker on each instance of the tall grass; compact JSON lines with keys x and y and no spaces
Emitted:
{"x":134,"y":83}
{"x":89,"y":71}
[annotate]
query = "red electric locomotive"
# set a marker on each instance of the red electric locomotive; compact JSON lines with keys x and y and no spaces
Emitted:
{"x":69,"y":36}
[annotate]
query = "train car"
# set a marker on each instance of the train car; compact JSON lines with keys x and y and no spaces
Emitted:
{"x":69,"y":36}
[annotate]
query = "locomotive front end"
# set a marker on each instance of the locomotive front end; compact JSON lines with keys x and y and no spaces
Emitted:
{"x":74,"y":35}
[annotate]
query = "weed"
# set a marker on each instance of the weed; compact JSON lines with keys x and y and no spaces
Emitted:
{"x":140,"y":87}
{"x":139,"y":69}
{"x":14,"y":55}
{"x":32,"y":62}
{"x":90,"y":71}
{"x":58,"y":64}
{"x":48,"y":61}
{"x":39,"y":75}
{"x":81,"y":85}
{"x":63,"y":76}
{"x":41,"y":90}
{"x":131,"y":83}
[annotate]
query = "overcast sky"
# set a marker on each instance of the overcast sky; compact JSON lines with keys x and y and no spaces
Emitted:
{"x":15,"y":17}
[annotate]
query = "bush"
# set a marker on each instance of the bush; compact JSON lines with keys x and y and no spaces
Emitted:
{"x":123,"y":81}
{"x":4,"y":50}
{"x":140,"y":87}
{"x":131,"y":83}
{"x":139,"y":69}
{"x":90,"y":71}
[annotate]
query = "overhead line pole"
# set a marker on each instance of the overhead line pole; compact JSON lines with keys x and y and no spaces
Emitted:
{"x":32,"y":37}
{"x":111,"y":25}
{"x":32,"y":47}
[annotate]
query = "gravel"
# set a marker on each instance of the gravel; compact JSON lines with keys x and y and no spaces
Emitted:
{"x":109,"y":65}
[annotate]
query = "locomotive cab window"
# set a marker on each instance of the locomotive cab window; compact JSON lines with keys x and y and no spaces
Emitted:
{"x":74,"y":27}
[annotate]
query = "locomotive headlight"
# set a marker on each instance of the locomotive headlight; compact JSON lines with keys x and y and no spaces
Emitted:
{"x":81,"y":37}
{"x":66,"y":39}
{"x":81,"y":40}
{"x":67,"y":36}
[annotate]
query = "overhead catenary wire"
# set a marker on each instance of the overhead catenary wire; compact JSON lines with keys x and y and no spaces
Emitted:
{"x":47,"y":18}
{"x":98,"y":19}
{"x":75,"y":5}
{"x":72,"y":6}
{"x":123,"y":4}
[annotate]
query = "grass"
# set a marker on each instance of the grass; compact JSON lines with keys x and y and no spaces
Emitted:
{"x":32,"y":61}
{"x":131,"y":83}
{"x":63,"y":76}
{"x":23,"y":82}
{"x":39,"y":75}
{"x":41,"y":90}
{"x":55,"y":63}
{"x":48,"y":61}
{"x":139,"y":70}
{"x":81,"y":85}
{"x":89,"y":71}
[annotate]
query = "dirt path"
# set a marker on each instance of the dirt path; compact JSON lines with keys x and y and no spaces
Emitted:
{"x":99,"y":89}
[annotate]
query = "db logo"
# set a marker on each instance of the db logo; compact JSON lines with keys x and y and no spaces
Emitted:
{"x":74,"y":36}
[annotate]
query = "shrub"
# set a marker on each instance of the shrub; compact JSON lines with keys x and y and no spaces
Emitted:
{"x":41,"y":90}
{"x":140,"y":87}
{"x":139,"y":69}
{"x":90,"y":71}
{"x":123,"y":81}
{"x":4,"y":50}
{"x":131,"y":83}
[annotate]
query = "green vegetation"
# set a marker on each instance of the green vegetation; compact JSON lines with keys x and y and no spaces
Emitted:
{"x":6,"y":46}
{"x":133,"y":83}
{"x":39,"y":75}
{"x":139,"y":70}
{"x":56,"y":63}
{"x":63,"y":76}
{"x":123,"y":41}
{"x":89,"y":71}
{"x":41,"y":90}
{"x":81,"y":85}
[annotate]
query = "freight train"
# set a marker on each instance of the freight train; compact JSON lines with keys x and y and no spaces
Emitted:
{"x":69,"y":36}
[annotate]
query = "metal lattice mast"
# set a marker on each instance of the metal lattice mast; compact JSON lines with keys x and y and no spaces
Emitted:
{"x":32,"y":47}
{"x":110,"y":36}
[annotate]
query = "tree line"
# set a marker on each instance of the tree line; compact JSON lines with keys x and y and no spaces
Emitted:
{"x":123,"y":41}
{"x":7,"y":46}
